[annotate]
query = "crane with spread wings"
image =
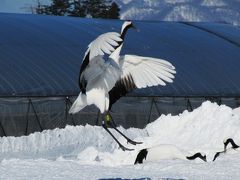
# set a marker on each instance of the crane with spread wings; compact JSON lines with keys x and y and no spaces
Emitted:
{"x":103,"y":81}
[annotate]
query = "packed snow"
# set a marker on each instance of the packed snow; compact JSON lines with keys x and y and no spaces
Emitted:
{"x":88,"y":152}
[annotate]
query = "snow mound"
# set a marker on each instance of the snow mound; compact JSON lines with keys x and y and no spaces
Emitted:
{"x":203,"y":130}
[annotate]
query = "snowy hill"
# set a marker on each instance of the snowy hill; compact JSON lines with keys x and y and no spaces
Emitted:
{"x":182,"y":10}
{"x":161,"y":10}
{"x":88,"y":152}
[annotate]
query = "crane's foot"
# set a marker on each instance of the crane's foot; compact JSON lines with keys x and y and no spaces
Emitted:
{"x":133,"y":142}
{"x":110,"y":122}
{"x":124,"y":148}
{"x":120,"y":145}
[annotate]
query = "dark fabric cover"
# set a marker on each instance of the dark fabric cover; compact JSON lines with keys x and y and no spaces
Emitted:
{"x":41,"y":55}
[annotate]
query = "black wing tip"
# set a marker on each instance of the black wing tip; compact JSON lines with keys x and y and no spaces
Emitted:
{"x":121,"y":88}
{"x":141,"y":156}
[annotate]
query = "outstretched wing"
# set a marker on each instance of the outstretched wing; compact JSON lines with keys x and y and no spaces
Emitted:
{"x":103,"y":44}
{"x":141,"y":72}
{"x":146,"y":71}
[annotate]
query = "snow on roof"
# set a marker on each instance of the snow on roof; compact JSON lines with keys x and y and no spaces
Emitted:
{"x":41,"y":55}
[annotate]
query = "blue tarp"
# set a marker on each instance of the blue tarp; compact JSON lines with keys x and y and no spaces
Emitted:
{"x":41,"y":55}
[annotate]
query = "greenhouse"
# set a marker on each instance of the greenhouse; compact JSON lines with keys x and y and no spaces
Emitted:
{"x":40,"y":58}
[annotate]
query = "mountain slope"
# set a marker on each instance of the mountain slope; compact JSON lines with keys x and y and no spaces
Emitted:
{"x":161,"y":10}
{"x":227,"y":11}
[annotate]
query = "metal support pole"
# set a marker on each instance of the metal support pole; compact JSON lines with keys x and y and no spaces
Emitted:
{"x":219,"y":101}
{"x":97,"y":120}
{"x":4,"y":133}
{"x":68,"y":104}
{"x":38,"y":121}
{"x":189,"y":105}
{"x":237,"y":101}
{"x":28,"y":109}
{"x":159,"y":113}
{"x":149,"y":116}
{"x":66,"y":109}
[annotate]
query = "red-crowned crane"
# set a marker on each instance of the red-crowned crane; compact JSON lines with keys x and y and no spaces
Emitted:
{"x":104,"y":80}
{"x":166,"y":151}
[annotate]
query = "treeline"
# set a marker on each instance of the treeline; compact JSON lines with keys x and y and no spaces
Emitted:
{"x":80,"y":8}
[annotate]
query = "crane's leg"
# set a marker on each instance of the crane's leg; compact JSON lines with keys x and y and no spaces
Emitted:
{"x":120,"y":145}
{"x":110,"y":122}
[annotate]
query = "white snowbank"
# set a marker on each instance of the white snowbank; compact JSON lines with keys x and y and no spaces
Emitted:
{"x":202,"y":130}
{"x":88,"y":152}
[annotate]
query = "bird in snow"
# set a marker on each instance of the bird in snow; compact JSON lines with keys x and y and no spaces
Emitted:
{"x":166,"y":151}
{"x":234,"y":147}
{"x":105,"y":76}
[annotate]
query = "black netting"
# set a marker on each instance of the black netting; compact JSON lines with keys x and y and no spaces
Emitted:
{"x":22,"y":116}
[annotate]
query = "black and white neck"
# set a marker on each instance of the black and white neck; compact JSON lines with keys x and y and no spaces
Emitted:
{"x":125,"y":27}
{"x":197,"y":155}
{"x":230,"y":141}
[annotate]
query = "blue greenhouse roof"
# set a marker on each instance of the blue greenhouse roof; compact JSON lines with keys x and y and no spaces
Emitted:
{"x":41,"y":55}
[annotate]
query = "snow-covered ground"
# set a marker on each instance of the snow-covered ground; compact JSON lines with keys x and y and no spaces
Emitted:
{"x":88,"y":152}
